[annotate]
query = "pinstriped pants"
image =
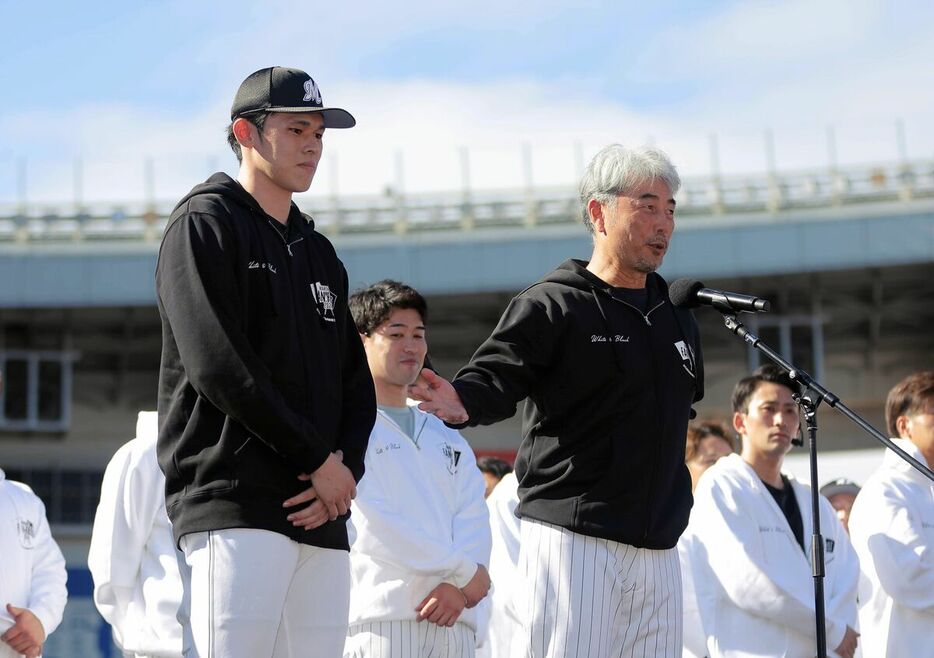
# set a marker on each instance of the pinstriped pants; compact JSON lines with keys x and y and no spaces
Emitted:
{"x":594,"y":598}
{"x":409,"y":639}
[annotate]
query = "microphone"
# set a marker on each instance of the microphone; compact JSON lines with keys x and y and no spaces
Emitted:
{"x":691,"y":293}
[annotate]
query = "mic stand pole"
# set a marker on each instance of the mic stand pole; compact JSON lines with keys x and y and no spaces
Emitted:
{"x":809,"y":396}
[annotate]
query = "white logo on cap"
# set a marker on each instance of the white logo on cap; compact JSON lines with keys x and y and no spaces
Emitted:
{"x":311,"y":92}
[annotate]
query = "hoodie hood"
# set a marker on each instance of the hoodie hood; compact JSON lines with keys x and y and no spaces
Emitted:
{"x":574,"y":274}
{"x":223,"y":185}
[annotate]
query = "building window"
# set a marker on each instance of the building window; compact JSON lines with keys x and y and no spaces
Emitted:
{"x":36,"y":394}
{"x":798,"y":338}
{"x":70,"y":496}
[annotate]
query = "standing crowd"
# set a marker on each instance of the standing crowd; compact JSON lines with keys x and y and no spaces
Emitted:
{"x":303,"y":489}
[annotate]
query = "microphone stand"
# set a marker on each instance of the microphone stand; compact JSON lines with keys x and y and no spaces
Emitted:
{"x":809,"y":396}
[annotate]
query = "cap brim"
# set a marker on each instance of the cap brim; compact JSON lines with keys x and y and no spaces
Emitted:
{"x":834,"y":489}
{"x":334,"y":117}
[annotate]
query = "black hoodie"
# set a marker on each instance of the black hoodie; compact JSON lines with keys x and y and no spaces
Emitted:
{"x":609,"y":388}
{"x":263,"y":374}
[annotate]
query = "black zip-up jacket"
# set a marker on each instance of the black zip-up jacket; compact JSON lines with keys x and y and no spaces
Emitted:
{"x":263,"y":374}
{"x":609,"y":390}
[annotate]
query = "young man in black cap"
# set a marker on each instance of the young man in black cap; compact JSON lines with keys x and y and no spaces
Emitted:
{"x":263,"y":389}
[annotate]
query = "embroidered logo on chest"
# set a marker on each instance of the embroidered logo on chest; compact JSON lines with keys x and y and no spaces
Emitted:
{"x":687,"y":357}
{"x":256,"y":265}
{"x":451,"y":457}
{"x":325,"y":300}
{"x":27,"y":533}
{"x":616,"y":338}
{"x":387,"y":447}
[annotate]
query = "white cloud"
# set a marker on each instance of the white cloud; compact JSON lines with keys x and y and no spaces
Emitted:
{"x":793,"y":67}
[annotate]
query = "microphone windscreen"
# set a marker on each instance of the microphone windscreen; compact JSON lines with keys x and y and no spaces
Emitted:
{"x":683,"y":292}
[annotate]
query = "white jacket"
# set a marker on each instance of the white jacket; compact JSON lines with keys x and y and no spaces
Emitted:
{"x":754,"y":586}
{"x":137,"y":587}
{"x":892,"y":529}
{"x":419,"y":519}
{"x":32,"y":568}
{"x":505,"y":623}
{"x":695,"y":643}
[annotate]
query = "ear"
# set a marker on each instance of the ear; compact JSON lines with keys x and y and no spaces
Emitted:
{"x":597,"y":216}
{"x":739,"y":423}
{"x":903,"y":426}
{"x":245,"y":132}
{"x":363,"y":339}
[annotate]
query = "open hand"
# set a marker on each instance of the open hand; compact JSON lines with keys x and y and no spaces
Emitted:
{"x":438,"y":397}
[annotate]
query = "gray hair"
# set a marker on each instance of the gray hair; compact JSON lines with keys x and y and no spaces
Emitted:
{"x":616,"y":170}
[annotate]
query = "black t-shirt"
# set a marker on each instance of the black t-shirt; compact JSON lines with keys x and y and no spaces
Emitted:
{"x":638,"y":297}
{"x":283,"y":228}
{"x":788,"y":504}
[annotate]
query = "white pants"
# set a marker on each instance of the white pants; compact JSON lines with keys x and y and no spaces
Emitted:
{"x":409,"y":639}
{"x":595,"y":598}
{"x":258,"y":594}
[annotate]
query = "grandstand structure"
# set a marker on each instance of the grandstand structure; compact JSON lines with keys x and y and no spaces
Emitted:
{"x":846,"y":255}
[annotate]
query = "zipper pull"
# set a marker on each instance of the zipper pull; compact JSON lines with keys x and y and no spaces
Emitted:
{"x":288,"y":248}
{"x":647,"y":321}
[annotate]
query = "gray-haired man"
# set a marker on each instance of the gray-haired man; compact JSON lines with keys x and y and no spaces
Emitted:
{"x":610,"y":369}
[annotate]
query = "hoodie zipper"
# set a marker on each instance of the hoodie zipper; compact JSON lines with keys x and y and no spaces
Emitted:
{"x":645,"y":316}
{"x":288,"y":245}
{"x":309,"y":401}
{"x":412,"y":439}
{"x":654,"y":466}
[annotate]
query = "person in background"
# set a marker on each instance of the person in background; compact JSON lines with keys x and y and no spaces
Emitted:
{"x":422,"y":548}
{"x":754,"y":582}
{"x":708,"y":441}
{"x":504,"y":639}
{"x":493,"y":469}
{"x":32,"y":572}
{"x":133,"y":559}
{"x":892,"y":527}
{"x":842,"y":494}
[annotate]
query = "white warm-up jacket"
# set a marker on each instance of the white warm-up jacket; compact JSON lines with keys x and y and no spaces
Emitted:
{"x":754,"y":586}
{"x":32,"y":568}
{"x":505,"y":624}
{"x":132,"y":559}
{"x":419,"y":518}
{"x":695,"y":643}
{"x":892,"y":529}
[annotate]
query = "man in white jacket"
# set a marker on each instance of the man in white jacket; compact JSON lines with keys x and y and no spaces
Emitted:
{"x":137,"y":587}
{"x":32,"y":573}
{"x":892,"y":529}
{"x":419,"y":560}
{"x":504,"y":638}
{"x":754,"y":585}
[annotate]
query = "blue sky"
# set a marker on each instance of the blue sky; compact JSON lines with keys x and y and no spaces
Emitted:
{"x":114,"y":83}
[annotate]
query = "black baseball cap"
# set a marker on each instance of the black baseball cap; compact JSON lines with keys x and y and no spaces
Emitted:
{"x":281,"y":89}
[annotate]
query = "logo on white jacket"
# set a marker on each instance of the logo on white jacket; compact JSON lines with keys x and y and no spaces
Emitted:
{"x":27,"y":533}
{"x":325,"y":300}
{"x":451,"y":456}
{"x":687,"y":357}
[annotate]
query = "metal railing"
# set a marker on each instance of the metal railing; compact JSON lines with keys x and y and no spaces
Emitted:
{"x":468,"y":210}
